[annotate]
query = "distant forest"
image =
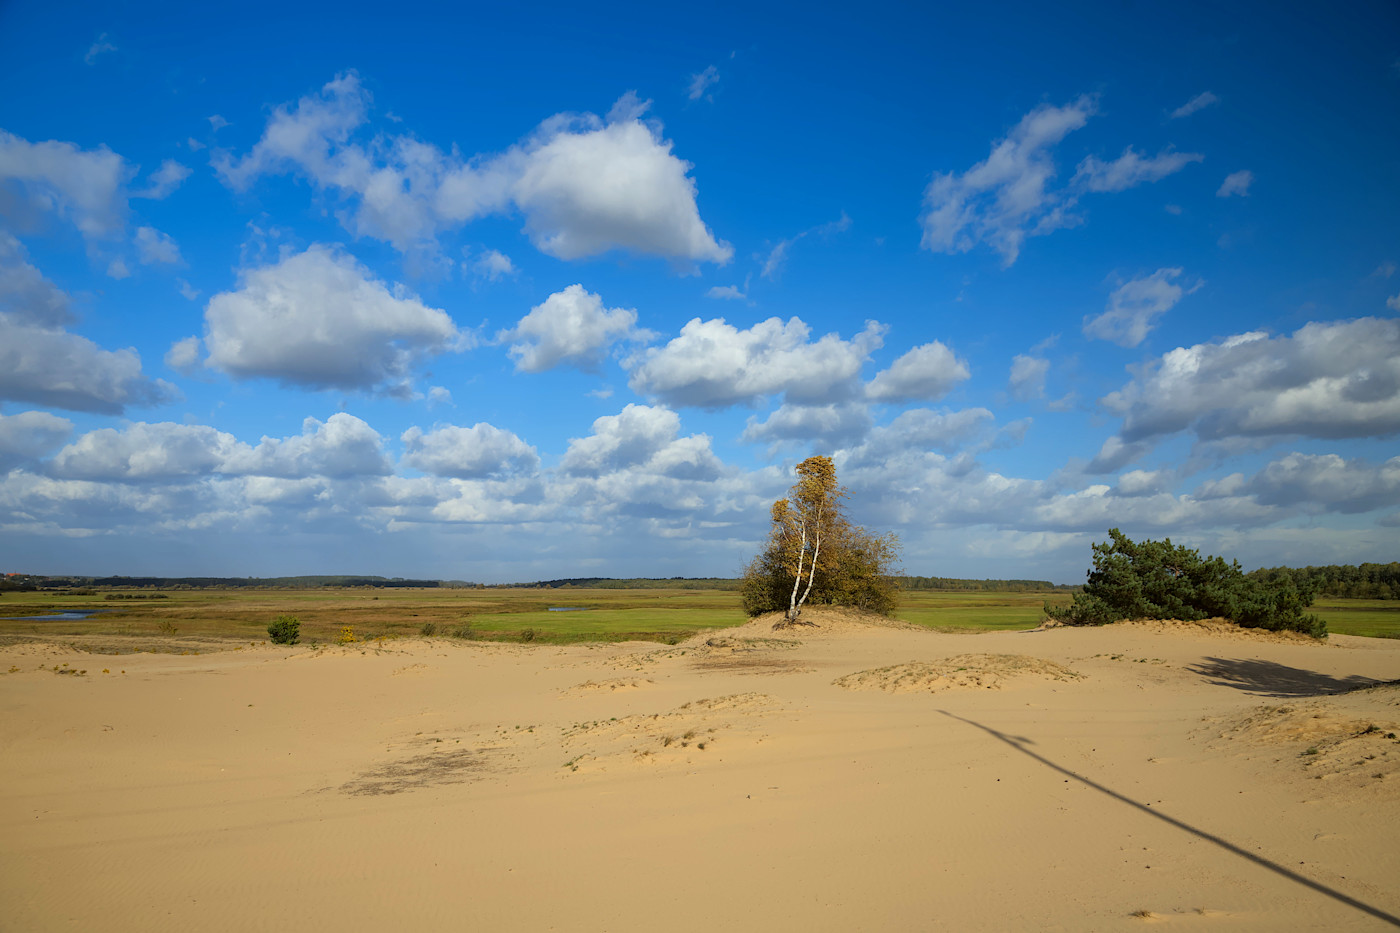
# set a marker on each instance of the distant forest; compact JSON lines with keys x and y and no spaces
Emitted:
{"x":990,"y":586}
{"x":31,"y":581}
{"x":1364,"y":581}
{"x":1359,"y":581}
{"x":724,"y":583}
{"x":637,"y":583}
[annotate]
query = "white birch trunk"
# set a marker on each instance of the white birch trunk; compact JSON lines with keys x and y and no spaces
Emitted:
{"x":801,"y":553}
{"x":816,"y":552}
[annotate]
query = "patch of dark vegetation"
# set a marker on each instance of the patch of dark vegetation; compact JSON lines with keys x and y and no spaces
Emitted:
{"x":1159,"y":580}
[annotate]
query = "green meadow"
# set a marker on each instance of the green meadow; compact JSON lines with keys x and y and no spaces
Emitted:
{"x":151,"y":619}
{"x":1372,"y":618}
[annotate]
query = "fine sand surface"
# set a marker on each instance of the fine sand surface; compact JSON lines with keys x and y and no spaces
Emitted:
{"x":847,"y":777}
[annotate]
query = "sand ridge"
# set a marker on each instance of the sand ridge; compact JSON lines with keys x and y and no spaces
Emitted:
{"x":973,"y":671}
{"x":849,"y":776}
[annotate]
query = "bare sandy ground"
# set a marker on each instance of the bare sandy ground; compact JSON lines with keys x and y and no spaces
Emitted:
{"x":844,"y":778}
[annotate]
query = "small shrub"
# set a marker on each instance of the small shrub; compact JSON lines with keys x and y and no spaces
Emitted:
{"x":528,"y":634}
{"x":167,"y":627}
{"x":428,"y":630}
{"x":463,"y":631}
{"x":285,"y":630}
{"x":346,"y":636}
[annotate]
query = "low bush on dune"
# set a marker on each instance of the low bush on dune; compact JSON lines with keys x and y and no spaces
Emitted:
{"x":284,"y":630}
{"x":1159,"y":580}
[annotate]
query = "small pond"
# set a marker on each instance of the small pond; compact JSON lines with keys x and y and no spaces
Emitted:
{"x":68,"y":616}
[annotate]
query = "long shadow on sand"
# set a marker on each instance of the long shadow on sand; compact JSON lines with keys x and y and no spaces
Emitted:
{"x":1271,"y":679}
{"x":1020,"y":742}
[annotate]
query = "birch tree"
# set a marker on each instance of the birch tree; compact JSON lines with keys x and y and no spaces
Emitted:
{"x":813,"y":549}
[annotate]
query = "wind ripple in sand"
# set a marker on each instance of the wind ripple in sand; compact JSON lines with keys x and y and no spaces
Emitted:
{"x":985,"y":671}
{"x":621,"y":684}
{"x":676,"y":737}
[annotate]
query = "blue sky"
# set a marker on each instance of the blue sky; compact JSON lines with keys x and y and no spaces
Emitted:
{"x":505,"y":295}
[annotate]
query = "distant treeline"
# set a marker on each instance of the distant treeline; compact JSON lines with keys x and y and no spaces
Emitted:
{"x":602,"y":583}
{"x":997,"y":586}
{"x":193,"y":583}
{"x":638,"y":583}
{"x":1358,"y":581}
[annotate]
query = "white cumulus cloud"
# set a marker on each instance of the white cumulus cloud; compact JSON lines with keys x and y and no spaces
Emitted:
{"x":183,"y":355}
{"x":1144,"y":483}
{"x":1327,"y":482}
{"x":164,"y":180}
{"x":630,"y":438}
{"x":584,"y":184}
{"x":145,"y":452}
{"x":340,"y":447}
{"x":713,"y":364}
{"x":927,"y":372}
{"x":43,"y":366}
{"x":26,"y":436}
{"x":26,"y":296}
{"x":468,"y":453}
{"x":569,"y":328}
{"x":1027,"y":379}
{"x":834,"y":425}
{"x":318,"y":319}
{"x":156,"y":247}
{"x":637,"y":458}
{"x":596,"y":186}
{"x":1326,"y":380}
{"x":493,"y":265}
{"x":86,"y":186}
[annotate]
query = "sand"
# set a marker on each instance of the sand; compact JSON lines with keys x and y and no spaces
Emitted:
{"x":846,"y":777}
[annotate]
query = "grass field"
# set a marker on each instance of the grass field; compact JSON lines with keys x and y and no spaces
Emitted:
{"x":244,"y":614}
{"x":521,"y":614}
{"x":975,"y":611}
{"x":1374,"y":618}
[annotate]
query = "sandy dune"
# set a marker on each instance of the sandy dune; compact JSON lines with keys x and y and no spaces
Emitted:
{"x":849,"y":777}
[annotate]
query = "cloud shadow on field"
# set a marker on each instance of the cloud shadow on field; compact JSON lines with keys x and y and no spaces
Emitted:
{"x":1269,"y":678}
